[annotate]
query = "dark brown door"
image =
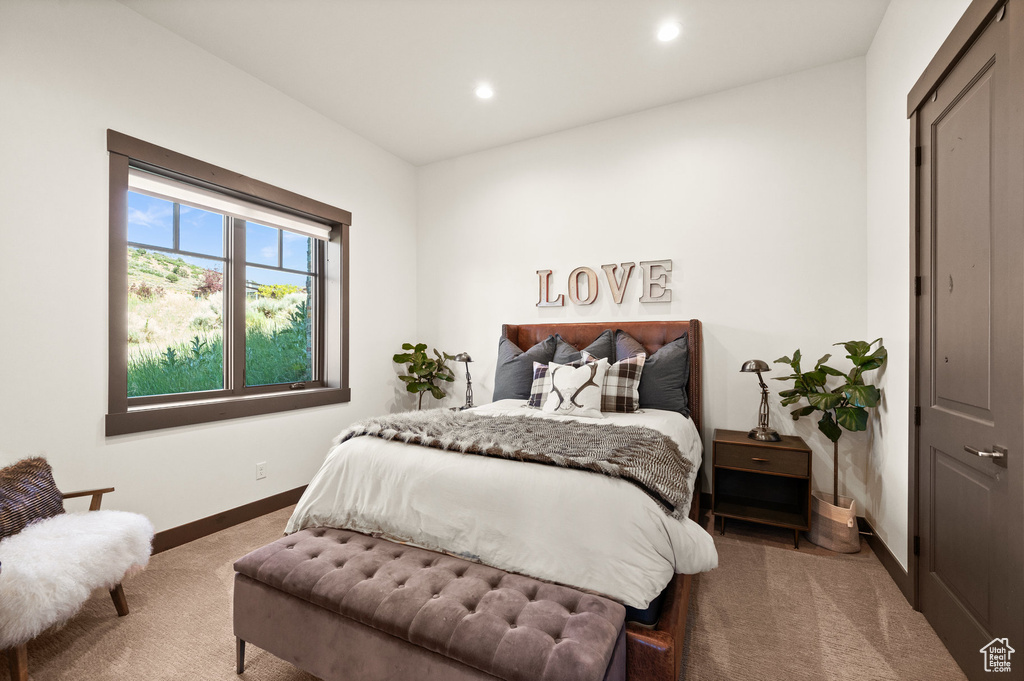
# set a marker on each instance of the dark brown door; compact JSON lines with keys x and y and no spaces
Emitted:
{"x":970,"y":352}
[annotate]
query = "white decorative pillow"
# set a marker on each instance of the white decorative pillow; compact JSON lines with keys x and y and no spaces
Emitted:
{"x":621,"y":389}
{"x":542,"y":383}
{"x":576,"y":391}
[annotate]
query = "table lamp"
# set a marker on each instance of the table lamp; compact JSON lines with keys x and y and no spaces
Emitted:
{"x":763,"y":432}
{"x":464,"y":357}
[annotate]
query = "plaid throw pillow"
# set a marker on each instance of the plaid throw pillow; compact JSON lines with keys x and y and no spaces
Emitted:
{"x":542,"y":383}
{"x":27,"y":493}
{"x":621,"y":390}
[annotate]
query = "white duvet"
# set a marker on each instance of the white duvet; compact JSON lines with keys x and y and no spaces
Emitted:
{"x":572,"y":527}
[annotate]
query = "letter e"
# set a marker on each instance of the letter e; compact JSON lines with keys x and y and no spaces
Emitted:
{"x":656,"y":278}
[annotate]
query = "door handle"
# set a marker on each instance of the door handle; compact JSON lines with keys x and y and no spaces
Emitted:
{"x":996,"y":453}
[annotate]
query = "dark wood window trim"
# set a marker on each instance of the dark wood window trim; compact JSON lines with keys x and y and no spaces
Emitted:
{"x":124,"y":416}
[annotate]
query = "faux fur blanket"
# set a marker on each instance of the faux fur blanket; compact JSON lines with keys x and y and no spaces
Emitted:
{"x":641,"y":456}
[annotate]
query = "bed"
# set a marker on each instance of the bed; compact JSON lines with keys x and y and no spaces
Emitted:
{"x":652,"y":652}
{"x":599,"y":534}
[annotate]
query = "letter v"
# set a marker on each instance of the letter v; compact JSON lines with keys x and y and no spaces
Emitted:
{"x":618,"y":287}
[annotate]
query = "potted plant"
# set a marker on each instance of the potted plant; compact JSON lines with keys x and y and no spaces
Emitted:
{"x":423,"y":370}
{"x":844,"y":406}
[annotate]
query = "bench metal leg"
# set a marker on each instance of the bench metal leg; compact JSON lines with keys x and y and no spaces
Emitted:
{"x":17,"y":660}
{"x":120,"y":602}
{"x":239,"y":655}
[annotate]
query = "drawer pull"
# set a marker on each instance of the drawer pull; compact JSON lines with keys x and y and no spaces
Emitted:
{"x":760,"y":460}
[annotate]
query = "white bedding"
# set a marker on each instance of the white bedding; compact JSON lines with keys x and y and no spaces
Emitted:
{"x":572,"y":527}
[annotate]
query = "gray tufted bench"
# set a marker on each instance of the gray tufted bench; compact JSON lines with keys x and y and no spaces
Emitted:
{"x":343,"y":605}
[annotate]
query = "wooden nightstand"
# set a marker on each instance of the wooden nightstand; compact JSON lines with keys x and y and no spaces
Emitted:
{"x":764,"y":482}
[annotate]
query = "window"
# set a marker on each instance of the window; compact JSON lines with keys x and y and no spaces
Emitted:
{"x":228,"y":297}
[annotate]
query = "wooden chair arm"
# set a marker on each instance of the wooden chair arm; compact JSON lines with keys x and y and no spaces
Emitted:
{"x":96,"y":494}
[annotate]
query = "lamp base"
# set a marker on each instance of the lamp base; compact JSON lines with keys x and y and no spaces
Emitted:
{"x":764,"y":435}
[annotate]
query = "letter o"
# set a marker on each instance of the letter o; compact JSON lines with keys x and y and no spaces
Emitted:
{"x":574,"y":290}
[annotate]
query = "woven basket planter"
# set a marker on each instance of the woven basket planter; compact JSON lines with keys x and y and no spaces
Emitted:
{"x":834,"y":527}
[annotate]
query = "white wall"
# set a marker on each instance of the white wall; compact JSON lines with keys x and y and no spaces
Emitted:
{"x":70,"y":71}
{"x":756,"y":194}
{"x":906,"y":41}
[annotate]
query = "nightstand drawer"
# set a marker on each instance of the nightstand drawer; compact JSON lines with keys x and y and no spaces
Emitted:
{"x":761,"y":459}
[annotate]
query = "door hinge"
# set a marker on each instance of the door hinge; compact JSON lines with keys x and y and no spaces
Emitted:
{"x":917,"y":545}
{"x":917,"y":416}
{"x":917,"y":157}
{"x":917,"y":286}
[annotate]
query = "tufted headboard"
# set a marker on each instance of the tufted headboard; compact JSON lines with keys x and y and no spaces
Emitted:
{"x":652,"y":335}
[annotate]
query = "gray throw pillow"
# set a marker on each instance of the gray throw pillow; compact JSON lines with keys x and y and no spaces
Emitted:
{"x":513,"y":376}
{"x":602,"y":347}
{"x":665,"y":375}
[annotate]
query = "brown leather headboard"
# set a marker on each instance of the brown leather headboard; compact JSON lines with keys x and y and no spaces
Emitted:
{"x":652,"y":335}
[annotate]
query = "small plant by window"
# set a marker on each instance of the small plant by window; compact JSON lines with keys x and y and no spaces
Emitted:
{"x":424,"y":371}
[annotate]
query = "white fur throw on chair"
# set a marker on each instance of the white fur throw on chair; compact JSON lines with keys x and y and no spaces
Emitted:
{"x":52,"y":566}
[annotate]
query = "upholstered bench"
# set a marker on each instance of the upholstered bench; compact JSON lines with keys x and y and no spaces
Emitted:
{"x":343,"y":605}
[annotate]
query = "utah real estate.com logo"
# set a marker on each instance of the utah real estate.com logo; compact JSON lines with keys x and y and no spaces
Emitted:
{"x":997,"y":655}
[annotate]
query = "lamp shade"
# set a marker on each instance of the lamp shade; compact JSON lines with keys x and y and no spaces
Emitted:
{"x":754,"y":365}
{"x":463,"y":357}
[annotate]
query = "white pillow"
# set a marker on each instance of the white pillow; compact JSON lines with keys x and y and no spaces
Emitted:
{"x":576,"y":391}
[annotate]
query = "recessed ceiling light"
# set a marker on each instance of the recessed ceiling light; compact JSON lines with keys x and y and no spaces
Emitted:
{"x":484,"y":91}
{"x":669,"y":31}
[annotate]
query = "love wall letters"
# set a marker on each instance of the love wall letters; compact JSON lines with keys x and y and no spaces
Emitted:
{"x":656,"y":278}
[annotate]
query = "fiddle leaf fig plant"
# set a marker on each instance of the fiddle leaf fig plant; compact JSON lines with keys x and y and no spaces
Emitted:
{"x":844,"y":406}
{"x":423,"y":371}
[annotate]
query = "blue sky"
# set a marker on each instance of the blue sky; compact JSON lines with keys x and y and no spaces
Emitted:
{"x":151,"y":222}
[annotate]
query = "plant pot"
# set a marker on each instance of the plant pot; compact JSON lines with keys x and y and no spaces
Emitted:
{"x":834,"y":527}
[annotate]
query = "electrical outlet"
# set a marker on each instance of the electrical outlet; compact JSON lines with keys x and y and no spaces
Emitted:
{"x":261,"y":470}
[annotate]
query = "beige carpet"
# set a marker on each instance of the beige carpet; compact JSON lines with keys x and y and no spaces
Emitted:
{"x":768,"y":612}
{"x":771,"y":612}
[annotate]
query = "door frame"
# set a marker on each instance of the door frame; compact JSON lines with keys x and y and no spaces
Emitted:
{"x":974,"y":20}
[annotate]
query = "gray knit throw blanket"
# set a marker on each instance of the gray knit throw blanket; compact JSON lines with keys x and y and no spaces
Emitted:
{"x":641,"y":456}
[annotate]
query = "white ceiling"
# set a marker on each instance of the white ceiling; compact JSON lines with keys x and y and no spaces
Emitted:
{"x":401,"y":73}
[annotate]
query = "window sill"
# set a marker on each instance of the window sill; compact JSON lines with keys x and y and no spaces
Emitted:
{"x":155,"y":417}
